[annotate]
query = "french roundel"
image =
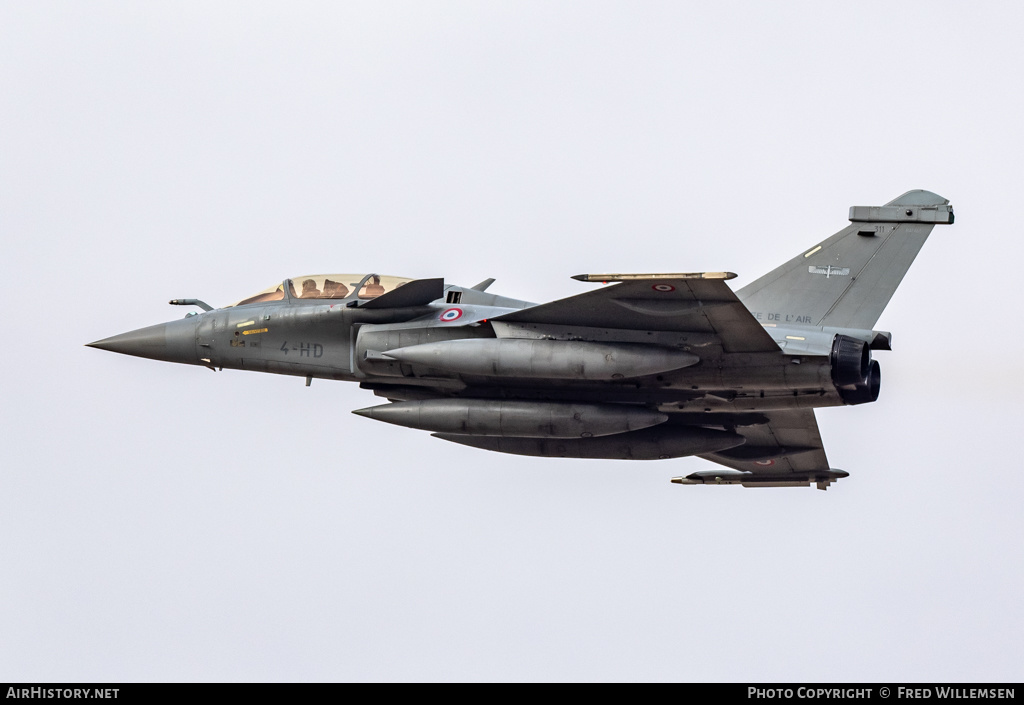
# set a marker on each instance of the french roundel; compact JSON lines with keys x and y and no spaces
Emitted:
{"x":663,"y":288}
{"x":764,"y":463}
{"x":452,"y":314}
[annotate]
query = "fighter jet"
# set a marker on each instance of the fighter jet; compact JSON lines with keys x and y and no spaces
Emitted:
{"x":645,"y":367}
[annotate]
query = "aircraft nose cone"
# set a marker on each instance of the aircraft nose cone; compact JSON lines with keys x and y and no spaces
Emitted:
{"x":172,"y":342}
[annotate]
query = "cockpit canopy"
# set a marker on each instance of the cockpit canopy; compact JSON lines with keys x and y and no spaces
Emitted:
{"x":328,"y":286}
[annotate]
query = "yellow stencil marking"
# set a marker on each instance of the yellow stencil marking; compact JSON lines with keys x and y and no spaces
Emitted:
{"x":243,"y":325}
{"x":795,"y":337}
{"x":813,"y":251}
{"x":258,"y":330}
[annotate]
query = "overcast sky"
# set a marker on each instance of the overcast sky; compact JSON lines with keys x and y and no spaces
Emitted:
{"x":161,"y":522}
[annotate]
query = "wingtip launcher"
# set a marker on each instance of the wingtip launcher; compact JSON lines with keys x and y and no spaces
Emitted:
{"x":606,"y":278}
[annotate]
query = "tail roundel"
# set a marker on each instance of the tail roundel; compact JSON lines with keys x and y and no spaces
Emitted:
{"x":847,"y":280}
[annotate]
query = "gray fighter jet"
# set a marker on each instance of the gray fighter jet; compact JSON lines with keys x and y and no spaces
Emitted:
{"x":650,"y":366}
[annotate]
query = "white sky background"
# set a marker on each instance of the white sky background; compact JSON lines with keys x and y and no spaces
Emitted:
{"x":160,"y":522}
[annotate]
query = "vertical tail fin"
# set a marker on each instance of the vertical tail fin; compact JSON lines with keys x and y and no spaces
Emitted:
{"x":847,"y":280}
